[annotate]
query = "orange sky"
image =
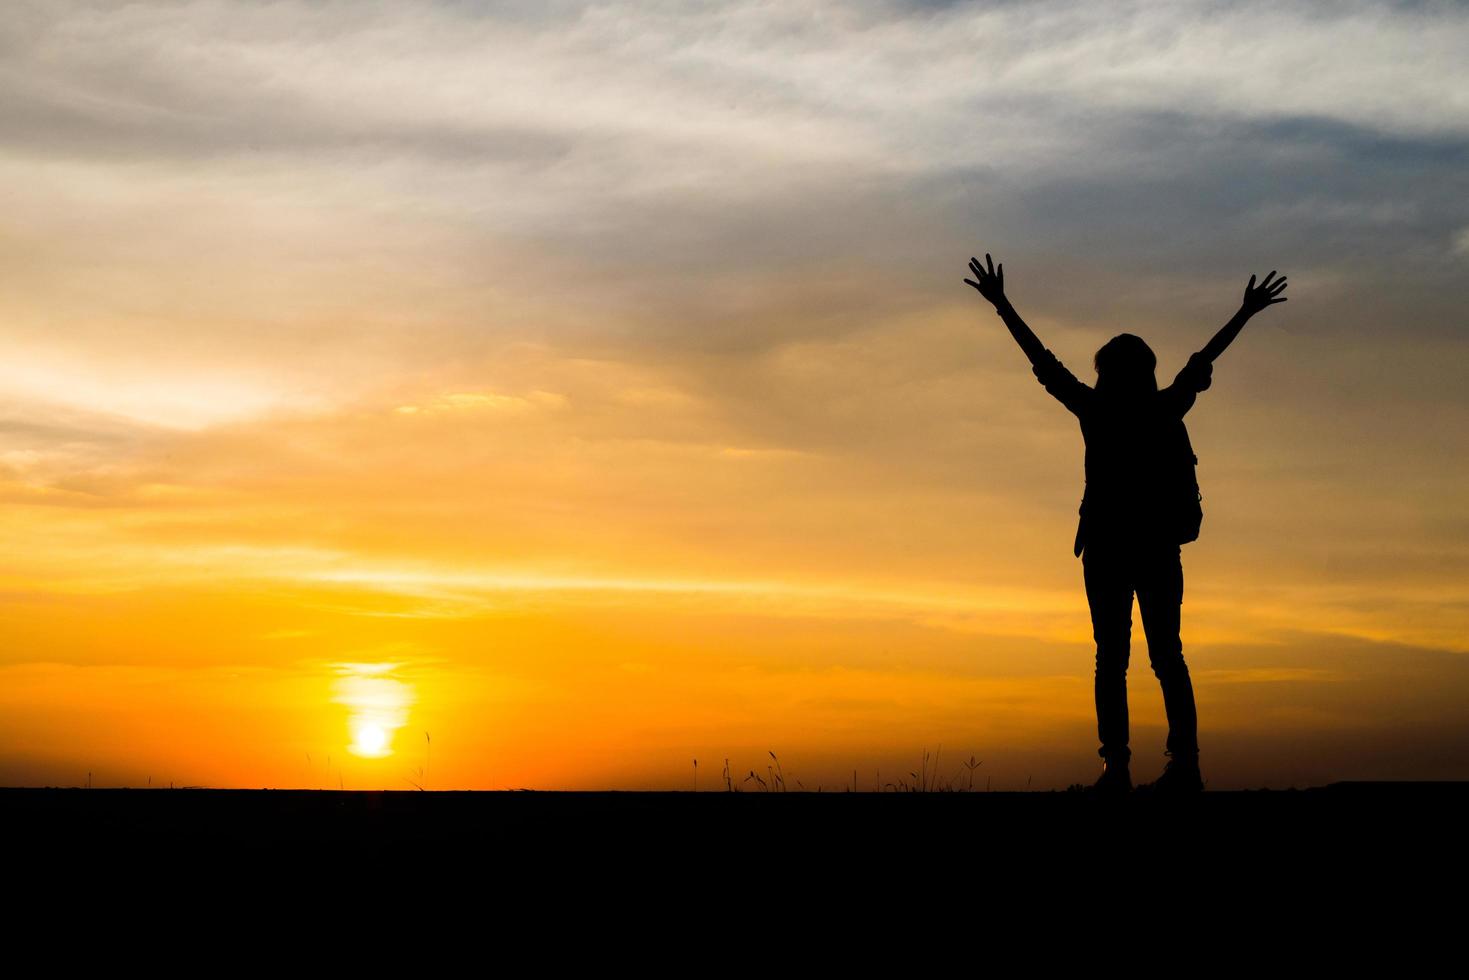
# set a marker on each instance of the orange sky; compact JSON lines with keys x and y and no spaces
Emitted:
{"x":530,"y":397}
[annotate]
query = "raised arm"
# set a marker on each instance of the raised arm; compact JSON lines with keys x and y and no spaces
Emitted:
{"x":991,"y":285}
{"x":1256,"y":299}
{"x":1049,"y":371}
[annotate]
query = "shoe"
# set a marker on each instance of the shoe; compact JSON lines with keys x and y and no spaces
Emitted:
{"x":1180,"y":777}
{"x":1115,"y":779}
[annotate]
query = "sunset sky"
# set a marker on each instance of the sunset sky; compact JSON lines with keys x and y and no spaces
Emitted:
{"x":482,"y":395}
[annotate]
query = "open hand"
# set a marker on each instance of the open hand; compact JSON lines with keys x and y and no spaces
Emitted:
{"x":1263,"y":295}
{"x":989,"y":282}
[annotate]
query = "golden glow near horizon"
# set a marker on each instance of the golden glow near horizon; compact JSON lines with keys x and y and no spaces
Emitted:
{"x":596,"y":389}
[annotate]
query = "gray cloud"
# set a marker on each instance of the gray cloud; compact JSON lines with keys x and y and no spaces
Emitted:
{"x":701,"y":187}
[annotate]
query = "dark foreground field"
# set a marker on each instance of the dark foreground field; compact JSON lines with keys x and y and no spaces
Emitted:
{"x":518,"y":823}
{"x":1258,"y":863}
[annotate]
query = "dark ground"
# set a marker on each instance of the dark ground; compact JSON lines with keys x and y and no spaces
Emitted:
{"x":1313,"y":869}
{"x":1303,"y":821}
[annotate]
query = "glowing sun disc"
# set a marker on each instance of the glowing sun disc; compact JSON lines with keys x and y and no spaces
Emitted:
{"x":370,"y":740}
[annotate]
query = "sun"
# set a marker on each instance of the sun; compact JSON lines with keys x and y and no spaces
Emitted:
{"x":370,"y":740}
{"x":378,"y":705}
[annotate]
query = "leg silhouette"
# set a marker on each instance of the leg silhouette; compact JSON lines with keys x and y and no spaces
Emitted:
{"x":1109,"y":594}
{"x":1159,"y":582}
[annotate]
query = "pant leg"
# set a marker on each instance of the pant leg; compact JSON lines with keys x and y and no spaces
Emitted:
{"x":1109,"y":594}
{"x":1159,"y":599}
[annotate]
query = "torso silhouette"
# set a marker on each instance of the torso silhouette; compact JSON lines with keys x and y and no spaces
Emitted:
{"x":1137,"y":455}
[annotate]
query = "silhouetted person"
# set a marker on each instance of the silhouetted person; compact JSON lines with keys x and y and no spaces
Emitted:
{"x":1140,"y":506}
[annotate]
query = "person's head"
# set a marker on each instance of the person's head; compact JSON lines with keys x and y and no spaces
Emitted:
{"x":1125,"y":365}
